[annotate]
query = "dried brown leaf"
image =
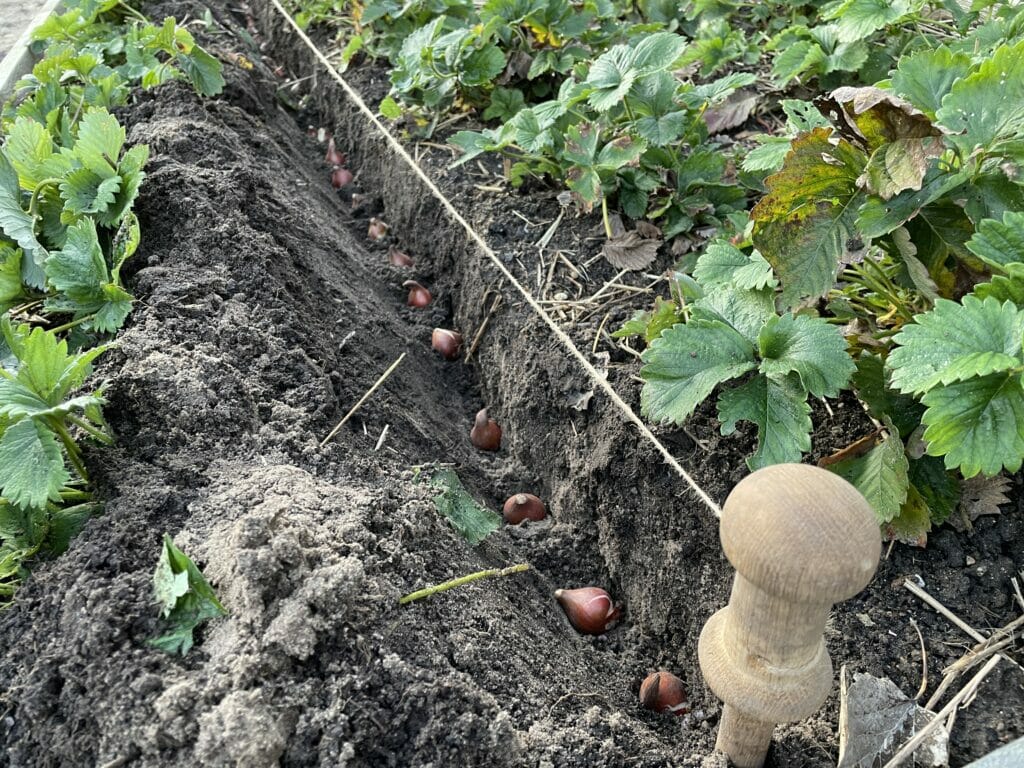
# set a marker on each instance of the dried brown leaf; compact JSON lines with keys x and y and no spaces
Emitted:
{"x":631,"y":251}
{"x":979,"y":496}
{"x":732,"y":112}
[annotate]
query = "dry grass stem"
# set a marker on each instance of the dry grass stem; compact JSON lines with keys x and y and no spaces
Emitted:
{"x":363,"y":399}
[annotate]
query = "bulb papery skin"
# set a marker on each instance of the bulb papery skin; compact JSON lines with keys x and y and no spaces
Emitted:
{"x":590,"y":609}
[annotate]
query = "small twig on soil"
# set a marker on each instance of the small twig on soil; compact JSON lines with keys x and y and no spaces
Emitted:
{"x":383,"y":436}
{"x":483,"y":327}
{"x":843,"y":719}
{"x":597,"y":336}
{"x":1016,"y":590}
{"x":921,"y":735}
{"x":963,"y":625}
{"x":924,"y":662}
{"x":363,"y":399}
{"x":998,"y":640}
{"x":546,"y":237}
{"x":433,"y":590}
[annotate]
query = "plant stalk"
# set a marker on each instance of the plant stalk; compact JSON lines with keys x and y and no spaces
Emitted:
{"x":433,"y":590}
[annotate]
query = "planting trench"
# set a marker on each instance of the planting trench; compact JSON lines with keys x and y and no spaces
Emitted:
{"x":264,"y":315}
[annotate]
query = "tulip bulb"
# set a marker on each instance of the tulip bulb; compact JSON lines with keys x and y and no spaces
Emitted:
{"x":663,"y":692}
{"x":377,"y":230}
{"x":486,"y":434}
{"x":333,"y":156}
{"x":398,"y":258}
{"x":341,"y":177}
{"x":418,"y":295}
{"x":523,"y":506}
{"x":590,"y":609}
{"x":448,"y":343}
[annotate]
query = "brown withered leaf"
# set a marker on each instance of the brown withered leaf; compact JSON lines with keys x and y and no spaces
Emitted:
{"x":631,"y":250}
{"x":648,"y":229}
{"x":980,"y":495}
{"x":879,"y":117}
{"x":899,"y":165}
{"x":730,"y":113}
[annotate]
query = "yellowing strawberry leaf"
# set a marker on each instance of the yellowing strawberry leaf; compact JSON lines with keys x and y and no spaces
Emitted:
{"x":810,"y":347}
{"x":778,"y":406}
{"x":880,"y":475}
{"x":951,"y":341}
{"x":31,"y":464}
{"x":473,"y":521}
{"x":684,"y":365}
{"x":30,"y":149}
{"x":804,"y":226}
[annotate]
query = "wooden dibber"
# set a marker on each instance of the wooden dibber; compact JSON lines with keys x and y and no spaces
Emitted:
{"x":801,"y":538}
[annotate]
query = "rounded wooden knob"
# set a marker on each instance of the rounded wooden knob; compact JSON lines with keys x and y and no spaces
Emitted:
{"x":801,"y":533}
{"x":800,"y":538}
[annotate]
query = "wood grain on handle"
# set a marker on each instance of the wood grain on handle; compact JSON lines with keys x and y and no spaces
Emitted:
{"x":801,"y":538}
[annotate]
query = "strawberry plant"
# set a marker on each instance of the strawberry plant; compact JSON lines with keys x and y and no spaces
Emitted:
{"x":67,"y":187}
{"x":185,"y":596}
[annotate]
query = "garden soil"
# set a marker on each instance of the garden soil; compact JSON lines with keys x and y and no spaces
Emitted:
{"x":264,"y":314}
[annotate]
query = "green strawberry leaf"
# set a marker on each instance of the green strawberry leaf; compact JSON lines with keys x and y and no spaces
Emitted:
{"x":723,"y":264}
{"x":987,"y":106}
{"x":880,"y":475}
{"x":31,"y":465}
{"x":810,"y":347}
{"x":1000,"y":242}
{"x":684,"y":365}
{"x":977,"y":425}
{"x":473,"y":521}
{"x":779,"y":409}
{"x":947,"y":343}
{"x":926,"y":76}
{"x":185,"y":597}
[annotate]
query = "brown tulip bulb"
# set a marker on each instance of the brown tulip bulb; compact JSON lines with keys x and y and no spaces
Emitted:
{"x":398,"y":258}
{"x":523,"y":506}
{"x":486,"y":434}
{"x":341,"y":177}
{"x":333,"y":156}
{"x":448,"y":343}
{"x":378,"y":229}
{"x":590,"y":609}
{"x":663,"y":692}
{"x":418,"y":295}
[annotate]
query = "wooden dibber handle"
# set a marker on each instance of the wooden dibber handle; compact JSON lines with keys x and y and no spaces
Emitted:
{"x":801,"y":538}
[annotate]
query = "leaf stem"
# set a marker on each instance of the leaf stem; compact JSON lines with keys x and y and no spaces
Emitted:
{"x":33,"y":204}
{"x":604,"y":217}
{"x":490,"y":573}
{"x":132,"y":12}
{"x":92,"y":431}
{"x":68,"y":326}
{"x":74,"y":454}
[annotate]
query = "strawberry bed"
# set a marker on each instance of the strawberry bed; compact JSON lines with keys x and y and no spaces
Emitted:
{"x":264,"y":313}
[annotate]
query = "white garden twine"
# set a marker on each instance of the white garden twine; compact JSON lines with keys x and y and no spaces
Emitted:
{"x":561,"y":335}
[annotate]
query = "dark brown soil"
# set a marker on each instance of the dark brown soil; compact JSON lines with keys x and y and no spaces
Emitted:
{"x":264,"y":315}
